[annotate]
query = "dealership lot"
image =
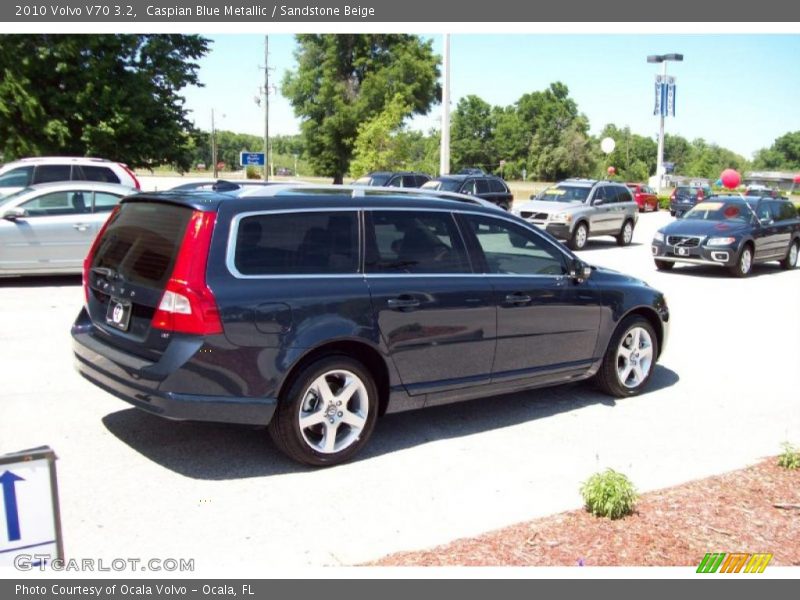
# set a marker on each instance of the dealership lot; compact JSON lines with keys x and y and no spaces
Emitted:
{"x":723,"y":395}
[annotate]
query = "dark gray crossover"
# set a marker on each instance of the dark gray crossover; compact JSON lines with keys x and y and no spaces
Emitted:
{"x":315,"y":311}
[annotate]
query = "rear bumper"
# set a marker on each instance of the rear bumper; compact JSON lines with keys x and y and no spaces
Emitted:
{"x":137,"y":382}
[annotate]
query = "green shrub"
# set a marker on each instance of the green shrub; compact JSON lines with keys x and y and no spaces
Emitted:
{"x":609,"y":494}
{"x":253,"y":172}
{"x":663,"y":202}
{"x":790,"y":457}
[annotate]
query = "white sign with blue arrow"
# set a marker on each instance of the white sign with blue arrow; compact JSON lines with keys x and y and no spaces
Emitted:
{"x":29,"y":515}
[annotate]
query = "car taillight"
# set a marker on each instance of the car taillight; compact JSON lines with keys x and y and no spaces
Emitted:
{"x":188,"y":304}
{"x":136,"y":183}
{"x":87,"y":261}
{"x":672,"y":195}
{"x":699,"y":195}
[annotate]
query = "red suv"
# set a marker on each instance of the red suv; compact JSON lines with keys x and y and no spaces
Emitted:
{"x":644,"y":196}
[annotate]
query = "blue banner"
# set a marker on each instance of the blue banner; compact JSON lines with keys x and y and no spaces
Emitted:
{"x":665,"y":96}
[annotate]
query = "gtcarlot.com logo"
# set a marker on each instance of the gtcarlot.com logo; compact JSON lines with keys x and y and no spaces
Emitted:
{"x":42,"y":562}
{"x":721,"y":562}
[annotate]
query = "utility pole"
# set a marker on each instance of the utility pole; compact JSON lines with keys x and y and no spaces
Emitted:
{"x":266,"y":108}
{"x":213,"y":144}
{"x":663,"y":59}
{"x":444,"y":151}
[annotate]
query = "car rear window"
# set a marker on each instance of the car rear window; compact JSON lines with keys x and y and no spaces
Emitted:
{"x":103,"y":174}
{"x":302,"y":243}
{"x":142,"y":241}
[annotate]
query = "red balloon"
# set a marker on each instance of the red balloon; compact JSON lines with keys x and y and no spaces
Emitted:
{"x":797,"y":178}
{"x":611,"y":170}
{"x":730,"y":178}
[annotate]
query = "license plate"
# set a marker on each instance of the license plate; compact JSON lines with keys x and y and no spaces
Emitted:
{"x":119,"y":314}
{"x":682,"y":251}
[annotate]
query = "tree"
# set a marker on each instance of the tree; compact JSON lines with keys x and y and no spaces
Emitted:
{"x":783,"y":154}
{"x":114,"y":96}
{"x":342,"y":81}
{"x":472,"y":135}
{"x":634,"y":155}
{"x":379,"y":144}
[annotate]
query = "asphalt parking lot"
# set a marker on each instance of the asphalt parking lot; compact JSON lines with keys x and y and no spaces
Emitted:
{"x":132,"y":485}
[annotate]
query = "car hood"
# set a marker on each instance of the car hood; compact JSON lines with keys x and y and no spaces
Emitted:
{"x":698,"y":227}
{"x":548,"y":207}
{"x":602,"y":274}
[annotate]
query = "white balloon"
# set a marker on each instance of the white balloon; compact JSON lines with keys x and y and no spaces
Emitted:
{"x":608,"y":145}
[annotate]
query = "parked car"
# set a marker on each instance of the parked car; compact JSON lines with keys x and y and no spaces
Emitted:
{"x":487,"y":187}
{"x":225,"y":186}
{"x":22,"y":173}
{"x":644,"y":196}
{"x":471,"y":171}
{"x":315,"y":316}
{"x":760,"y":191}
{"x":48,"y":228}
{"x":731,"y":232}
{"x":577,"y":209}
{"x":401,"y":179}
{"x":684,"y":197}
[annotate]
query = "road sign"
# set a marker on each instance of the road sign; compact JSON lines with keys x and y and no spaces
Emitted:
{"x":30,"y":522}
{"x":252,"y":159}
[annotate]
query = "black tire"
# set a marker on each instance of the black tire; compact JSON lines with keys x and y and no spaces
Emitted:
{"x":504,"y":206}
{"x":297,"y":442}
{"x":608,"y":378}
{"x":664,"y":265}
{"x":577,"y":241}
{"x":672,"y":213}
{"x":744,"y":265}
{"x":623,"y":238}
{"x":791,"y":258}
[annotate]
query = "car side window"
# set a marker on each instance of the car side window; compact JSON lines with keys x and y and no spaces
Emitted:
{"x":469,"y":187}
{"x":624,"y":195}
{"x":19,"y":177}
{"x":105,"y":202}
{"x":787,"y":211}
{"x":599,"y":194}
{"x":396,"y":181}
{"x":414,"y":242}
{"x":482,"y":186}
{"x":511,"y":249}
{"x":102,"y":174}
{"x":58,"y":203}
{"x":51,"y":173}
{"x":495,"y":185}
{"x":302,"y":243}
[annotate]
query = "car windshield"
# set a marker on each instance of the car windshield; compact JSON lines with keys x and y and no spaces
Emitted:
{"x":720,"y":211}
{"x":447,"y":185}
{"x":565,"y":193}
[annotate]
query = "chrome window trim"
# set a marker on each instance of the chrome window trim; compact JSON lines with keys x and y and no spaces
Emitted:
{"x":361,"y":274}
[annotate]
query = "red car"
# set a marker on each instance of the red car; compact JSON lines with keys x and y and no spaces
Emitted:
{"x":644,"y":195}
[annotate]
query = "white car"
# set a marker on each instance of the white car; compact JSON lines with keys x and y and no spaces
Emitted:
{"x":19,"y":174}
{"x":48,"y":229}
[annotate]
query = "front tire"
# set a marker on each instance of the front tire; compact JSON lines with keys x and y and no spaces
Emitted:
{"x":625,"y":236}
{"x":790,"y":262}
{"x":664,"y":265}
{"x":579,"y":237}
{"x":328,"y":412}
{"x":629,"y":359}
{"x":744,"y":263}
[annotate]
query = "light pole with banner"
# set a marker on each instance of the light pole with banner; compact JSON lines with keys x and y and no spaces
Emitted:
{"x":664,"y":106}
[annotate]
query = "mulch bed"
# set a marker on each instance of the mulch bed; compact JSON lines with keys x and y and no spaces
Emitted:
{"x":676,"y":526}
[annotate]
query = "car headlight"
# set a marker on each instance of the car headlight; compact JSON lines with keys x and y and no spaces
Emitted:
{"x":561,"y":217}
{"x":658,"y":237}
{"x":720,"y":241}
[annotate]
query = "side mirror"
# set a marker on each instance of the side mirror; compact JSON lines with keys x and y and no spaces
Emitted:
{"x":598,"y":202}
{"x":15,"y":213}
{"x":579,"y":271}
{"x":766,"y":222}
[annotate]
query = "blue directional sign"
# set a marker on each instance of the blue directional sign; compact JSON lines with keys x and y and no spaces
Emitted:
{"x":252,"y":159}
{"x":8,"y":480}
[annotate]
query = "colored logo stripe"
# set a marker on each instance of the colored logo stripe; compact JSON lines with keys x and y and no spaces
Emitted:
{"x":733,"y":563}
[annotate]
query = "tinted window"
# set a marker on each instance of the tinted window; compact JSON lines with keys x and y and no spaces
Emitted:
{"x":787,"y":211}
{"x":48,"y":173}
{"x":298,"y":243}
{"x":105,"y":202}
{"x":19,"y":177}
{"x":600,"y":194}
{"x":58,"y":203}
{"x":482,"y":186}
{"x":414,"y":242}
{"x":446,"y":185}
{"x":495,"y":185}
{"x":409,"y":181}
{"x":469,"y":187}
{"x":623,"y":194}
{"x":142,"y":241}
{"x":103,"y":174}
{"x":515,"y":250}
{"x":396,"y":181}
{"x":421,"y":180}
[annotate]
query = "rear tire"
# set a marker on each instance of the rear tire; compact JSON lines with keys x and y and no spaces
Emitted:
{"x":664,"y":265}
{"x":744,"y":262}
{"x":790,"y":262}
{"x":579,"y":237}
{"x":625,"y":236}
{"x":629,"y":359}
{"x":328,"y":412}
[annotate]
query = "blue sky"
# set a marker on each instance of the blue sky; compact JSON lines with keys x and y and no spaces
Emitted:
{"x":739,"y":91}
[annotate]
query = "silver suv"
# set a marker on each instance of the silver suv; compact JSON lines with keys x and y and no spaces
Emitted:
{"x":576,"y":209}
{"x":16,"y":176}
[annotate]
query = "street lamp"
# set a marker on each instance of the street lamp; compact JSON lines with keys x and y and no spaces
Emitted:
{"x":214,"y":143}
{"x":662,"y":58}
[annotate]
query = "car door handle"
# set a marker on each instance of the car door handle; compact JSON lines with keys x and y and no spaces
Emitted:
{"x":403,"y":303}
{"x":518,"y":298}
{"x":80,"y":226}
